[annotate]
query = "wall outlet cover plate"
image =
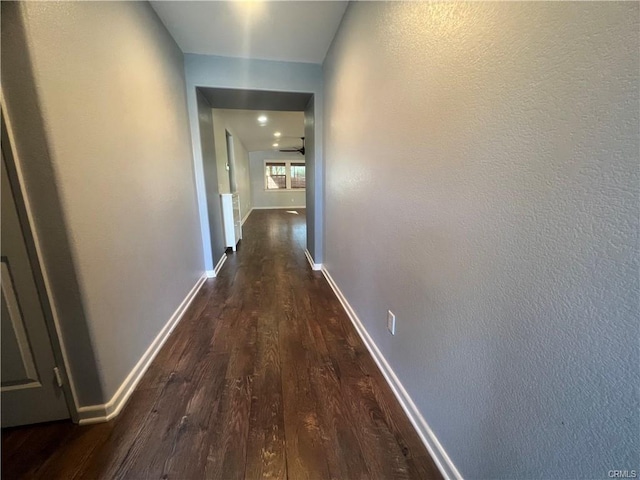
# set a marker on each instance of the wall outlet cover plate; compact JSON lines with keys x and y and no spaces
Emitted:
{"x":391,"y":322}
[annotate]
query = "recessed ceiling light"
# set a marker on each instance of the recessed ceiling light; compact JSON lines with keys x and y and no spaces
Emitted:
{"x":262,"y":119}
{"x":277,"y":134}
{"x":275,"y":144}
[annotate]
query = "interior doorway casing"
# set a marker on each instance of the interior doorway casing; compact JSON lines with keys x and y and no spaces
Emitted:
{"x":231,"y":163}
{"x":257,"y":100}
{"x":240,"y":81}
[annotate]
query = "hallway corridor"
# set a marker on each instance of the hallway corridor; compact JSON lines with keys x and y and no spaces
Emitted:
{"x":264,"y":377}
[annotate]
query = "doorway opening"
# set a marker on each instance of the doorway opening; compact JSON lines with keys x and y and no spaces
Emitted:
{"x":252,"y":158}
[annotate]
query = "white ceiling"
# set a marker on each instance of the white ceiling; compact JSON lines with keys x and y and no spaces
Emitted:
{"x":244,"y":124}
{"x":294,"y":31}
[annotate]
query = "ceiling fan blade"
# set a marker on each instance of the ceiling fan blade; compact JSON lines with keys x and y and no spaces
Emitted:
{"x":299,"y":150}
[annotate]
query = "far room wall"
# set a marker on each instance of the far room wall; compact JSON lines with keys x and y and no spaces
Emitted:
{"x":263,"y":198}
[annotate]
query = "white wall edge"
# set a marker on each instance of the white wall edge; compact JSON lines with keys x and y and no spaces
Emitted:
{"x":198,"y":173}
{"x":429,"y":439}
{"x":210,"y":273}
{"x":216,"y":270}
{"x":314,"y":266}
{"x":246,"y":216}
{"x":105,"y":412}
{"x":292,"y":207}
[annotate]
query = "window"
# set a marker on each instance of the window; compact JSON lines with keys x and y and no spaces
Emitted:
{"x":298,"y":179}
{"x":276,"y":176}
{"x":285,"y":176}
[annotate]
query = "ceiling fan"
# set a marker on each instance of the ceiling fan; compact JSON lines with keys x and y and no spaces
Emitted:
{"x":299,"y":150}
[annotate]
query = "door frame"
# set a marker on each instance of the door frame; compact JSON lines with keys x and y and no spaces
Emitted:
{"x":35,"y":258}
{"x":236,"y":93}
{"x":231,"y":162}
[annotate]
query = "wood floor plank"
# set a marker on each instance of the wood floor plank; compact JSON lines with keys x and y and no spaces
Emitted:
{"x":190,"y":451}
{"x":164,"y":363}
{"x":266,"y":444}
{"x":265,"y":377}
{"x":81,"y":446}
{"x":306,"y":458}
{"x":105,"y":461}
{"x":227,"y":453}
{"x":156,"y":436}
{"x":341,"y":444}
{"x":40,"y":443}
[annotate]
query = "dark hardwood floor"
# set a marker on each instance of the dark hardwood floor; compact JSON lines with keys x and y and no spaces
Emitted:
{"x":265,"y":377}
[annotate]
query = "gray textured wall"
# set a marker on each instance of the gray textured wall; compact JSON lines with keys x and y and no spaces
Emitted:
{"x":32,"y":154}
{"x":210,"y":169}
{"x":110,"y":84}
{"x":490,"y":154}
{"x":275,"y":199}
{"x":315,"y":182}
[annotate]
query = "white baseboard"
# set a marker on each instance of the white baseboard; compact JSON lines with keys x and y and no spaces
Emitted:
{"x":214,"y":273}
{"x":246,"y":216}
{"x":291,"y":207}
{"x":314,"y":266}
{"x":107,"y":411}
{"x":218,"y":266}
{"x":440,"y":457}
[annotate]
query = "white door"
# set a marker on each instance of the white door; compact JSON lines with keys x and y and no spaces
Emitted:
{"x":29,"y":385}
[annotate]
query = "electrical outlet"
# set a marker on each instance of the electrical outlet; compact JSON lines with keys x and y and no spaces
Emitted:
{"x":391,"y":322}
